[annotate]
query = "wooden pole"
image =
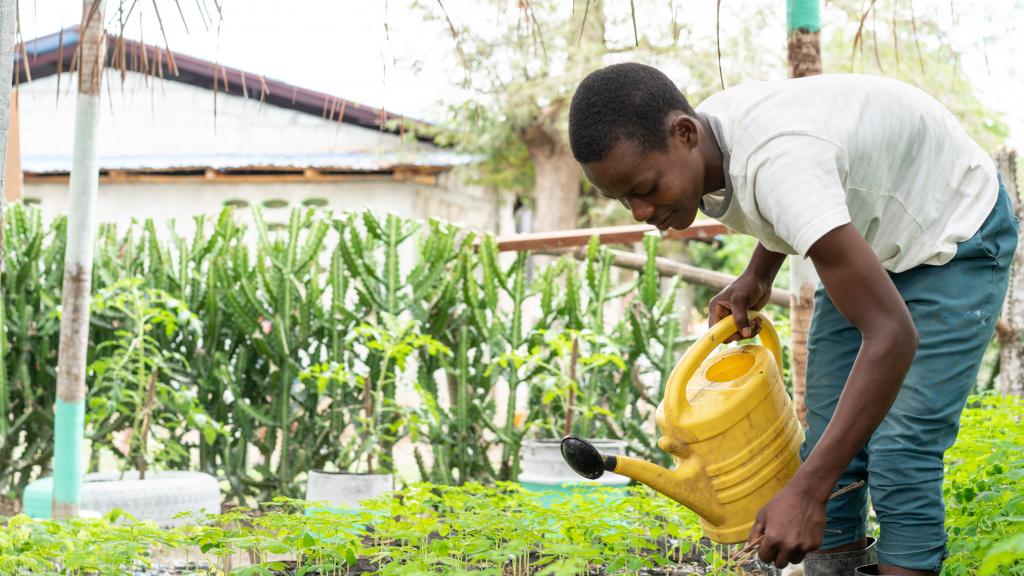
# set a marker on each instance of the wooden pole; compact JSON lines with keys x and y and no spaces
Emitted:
{"x":803,"y":21}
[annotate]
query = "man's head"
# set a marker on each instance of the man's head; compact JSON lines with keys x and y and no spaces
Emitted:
{"x":640,"y":142}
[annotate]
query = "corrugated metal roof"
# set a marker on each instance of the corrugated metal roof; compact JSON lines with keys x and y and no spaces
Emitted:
{"x":346,"y":161}
{"x":46,"y":55}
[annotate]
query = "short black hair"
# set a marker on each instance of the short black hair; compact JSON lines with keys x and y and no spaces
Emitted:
{"x":622,"y":100}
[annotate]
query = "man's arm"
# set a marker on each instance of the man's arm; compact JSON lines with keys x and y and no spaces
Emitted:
{"x":765,"y":264}
{"x":865,"y":295}
{"x":793,"y":522}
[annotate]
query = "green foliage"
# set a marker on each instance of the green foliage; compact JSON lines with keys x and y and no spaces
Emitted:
{"x":426,"y":528}
{"x":984,"y":489}
{"x":286,"y":349}
{"x":423,"y":529}
{"x":140,"y":382}
{"x":33,"y":272}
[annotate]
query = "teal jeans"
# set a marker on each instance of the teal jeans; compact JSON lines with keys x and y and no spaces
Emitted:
{"x":954,"y":307}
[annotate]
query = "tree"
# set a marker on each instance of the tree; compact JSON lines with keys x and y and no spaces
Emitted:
{"x":519,"y":80}
{"x":907,"y":42}
{"x":1010,"y":327}
{"x":8,"y":16}
{"x":69,"y":417}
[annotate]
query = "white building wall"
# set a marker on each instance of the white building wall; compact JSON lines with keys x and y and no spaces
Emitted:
{"x":120,"y":203}
{"x":167,"y":117}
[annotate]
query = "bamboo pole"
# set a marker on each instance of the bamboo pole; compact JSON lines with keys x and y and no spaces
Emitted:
{"x":69,"y":417}
{"x":667,"y":267}
{"x":629,"y":234}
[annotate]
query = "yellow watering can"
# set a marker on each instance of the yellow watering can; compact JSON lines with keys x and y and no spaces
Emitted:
{"x":730,"y":427}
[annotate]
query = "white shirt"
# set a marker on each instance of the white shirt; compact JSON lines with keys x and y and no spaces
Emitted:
{"x":805,"y":156}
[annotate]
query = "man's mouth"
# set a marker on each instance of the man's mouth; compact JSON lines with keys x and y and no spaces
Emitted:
{"x":663,"y":223}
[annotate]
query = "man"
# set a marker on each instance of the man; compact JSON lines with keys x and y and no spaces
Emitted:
{"x":912,"y":235}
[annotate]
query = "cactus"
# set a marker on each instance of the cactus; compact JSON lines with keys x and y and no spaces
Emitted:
{"x":296,"y":324}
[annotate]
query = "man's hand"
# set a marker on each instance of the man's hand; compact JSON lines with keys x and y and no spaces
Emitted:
{"x":750,"y":291}
{"x":790,"y":525}
{"x":747,"y":292}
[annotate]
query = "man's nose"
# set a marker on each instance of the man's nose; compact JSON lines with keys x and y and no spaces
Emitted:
{"x":642,"y":211}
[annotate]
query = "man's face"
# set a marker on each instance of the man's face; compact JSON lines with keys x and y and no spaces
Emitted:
{"x":662,"y":188}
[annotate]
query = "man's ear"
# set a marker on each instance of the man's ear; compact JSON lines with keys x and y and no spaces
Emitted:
{"x":684,"y":128}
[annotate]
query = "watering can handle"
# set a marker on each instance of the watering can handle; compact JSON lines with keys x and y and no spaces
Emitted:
{"x":675,"y":392}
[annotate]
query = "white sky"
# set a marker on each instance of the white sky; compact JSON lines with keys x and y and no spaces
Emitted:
{"x":340,"y":46}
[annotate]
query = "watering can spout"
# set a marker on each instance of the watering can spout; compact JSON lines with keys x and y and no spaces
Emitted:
{"x":684,"y":484}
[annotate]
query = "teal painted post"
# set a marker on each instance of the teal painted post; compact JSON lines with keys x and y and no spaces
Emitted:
{"x":803,"y":15}
{"x":69,"y":427}
{"x":69,"y":409}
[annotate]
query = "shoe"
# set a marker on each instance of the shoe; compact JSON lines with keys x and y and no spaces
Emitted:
{"x":841,"y":563}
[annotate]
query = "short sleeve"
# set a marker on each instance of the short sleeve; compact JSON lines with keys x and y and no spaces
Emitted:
{"x":798,"y":188}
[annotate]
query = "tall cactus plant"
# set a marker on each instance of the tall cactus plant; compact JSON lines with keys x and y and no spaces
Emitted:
{"x":300,"y":326}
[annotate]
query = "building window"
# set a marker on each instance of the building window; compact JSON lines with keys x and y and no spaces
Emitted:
{"x":236,"y":203}
{"x":275,"y":203}
{"x":315,"y":202}
{"x":31,"y":201}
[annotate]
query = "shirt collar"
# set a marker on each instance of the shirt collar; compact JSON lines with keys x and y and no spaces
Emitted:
{"x":716,"y":204}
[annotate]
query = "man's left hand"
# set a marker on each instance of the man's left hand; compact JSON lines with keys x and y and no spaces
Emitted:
{"x":790,"y":525}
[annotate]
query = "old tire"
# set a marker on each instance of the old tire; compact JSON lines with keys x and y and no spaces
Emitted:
{"x":159,"y":498}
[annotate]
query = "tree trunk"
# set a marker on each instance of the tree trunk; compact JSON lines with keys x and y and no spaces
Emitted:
{"x":69,"y":418}
{"x":1010,"y":327}
{"x":556,"y":191}
{"x":804,"y":24}
{"x":8,"y":10}
{"x":557,"y":177}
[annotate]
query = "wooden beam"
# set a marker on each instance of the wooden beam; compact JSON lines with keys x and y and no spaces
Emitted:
{"x":561,"y":239}
{"x":667,"y":267}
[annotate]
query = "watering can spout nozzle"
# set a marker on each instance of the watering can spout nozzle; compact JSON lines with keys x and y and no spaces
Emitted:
{"x":584,"y":459}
